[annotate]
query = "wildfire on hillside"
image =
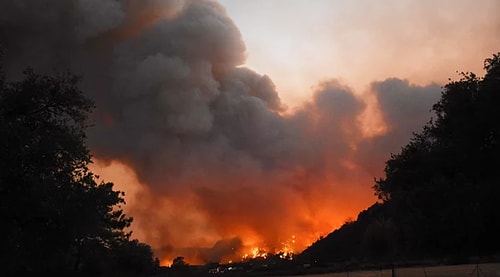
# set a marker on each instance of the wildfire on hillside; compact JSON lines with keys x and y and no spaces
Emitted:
{"x":213,"y":164}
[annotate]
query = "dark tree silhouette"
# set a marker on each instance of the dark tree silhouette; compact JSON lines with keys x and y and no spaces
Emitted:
{"x":56,"y":217}
{"x":179,"y":262}
{"x":447,"y":173}
{"x":440,"y":193}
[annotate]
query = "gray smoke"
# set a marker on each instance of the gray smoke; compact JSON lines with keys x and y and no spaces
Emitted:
{"x":406,"y":108}
{"x":210,"y":139}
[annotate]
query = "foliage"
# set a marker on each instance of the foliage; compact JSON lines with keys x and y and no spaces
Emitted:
{"x":56,"y":217}
{"x":439,"y":196}
{"x":179,"y":262}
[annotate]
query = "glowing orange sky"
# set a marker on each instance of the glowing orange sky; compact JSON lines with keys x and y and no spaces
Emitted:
{"x":160,"y":220}
{"x":301,"y":44}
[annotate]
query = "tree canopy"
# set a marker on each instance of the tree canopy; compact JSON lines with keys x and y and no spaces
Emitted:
{"x":439,"y":196}
{"x":56,"y":216}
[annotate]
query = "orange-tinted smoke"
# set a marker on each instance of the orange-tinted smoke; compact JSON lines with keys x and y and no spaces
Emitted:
{"x":138,"y":18}
{"x":188,"y":224}
{"x":261,"y":210}
{"x":213,"y":168}
{"x":224,"y":216}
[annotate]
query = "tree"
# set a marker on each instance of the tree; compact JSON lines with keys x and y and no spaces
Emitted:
{"x":463,"y":137}
{"x":56,"y":216}
{"x":179,"y":262}
{"x":446,"y":175}
{"x":439,"y":196}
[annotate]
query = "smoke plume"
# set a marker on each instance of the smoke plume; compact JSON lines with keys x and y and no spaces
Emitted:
{"x":220,"y":165}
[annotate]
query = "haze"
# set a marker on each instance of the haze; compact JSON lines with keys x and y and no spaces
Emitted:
{"x":246,"y":125}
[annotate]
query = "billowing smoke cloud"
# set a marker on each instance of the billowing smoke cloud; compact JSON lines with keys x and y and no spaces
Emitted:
{"x":405,"y":109}
{"x":222,"y":165}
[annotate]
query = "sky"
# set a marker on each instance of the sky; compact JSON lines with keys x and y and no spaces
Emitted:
{"x":239,"y":126}
{"x":300,"y":43}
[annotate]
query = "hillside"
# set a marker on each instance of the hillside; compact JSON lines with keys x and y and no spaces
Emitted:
{"x":439,"y":196}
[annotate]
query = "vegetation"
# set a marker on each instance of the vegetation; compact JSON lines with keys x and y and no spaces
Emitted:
{"x":439,"y":197}
{"x":56,"y":217}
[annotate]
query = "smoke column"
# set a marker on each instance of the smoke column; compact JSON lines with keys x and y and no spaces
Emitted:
{"x":221,"y":165}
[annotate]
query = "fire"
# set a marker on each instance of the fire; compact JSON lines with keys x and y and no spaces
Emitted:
{"x":254,"y":243}
{"x":285,"y":252}
{"x":166,"y":262}
{"x":257,"y":252}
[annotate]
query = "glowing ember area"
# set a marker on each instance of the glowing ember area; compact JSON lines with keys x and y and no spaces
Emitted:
{"x":286,"y":252}
{"x":256,"y":253}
